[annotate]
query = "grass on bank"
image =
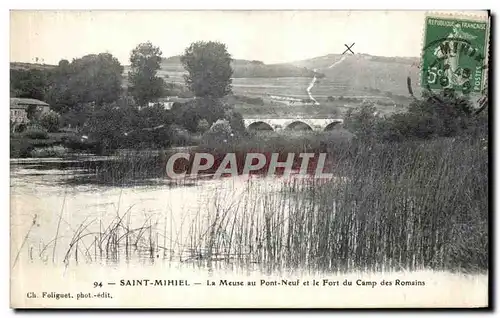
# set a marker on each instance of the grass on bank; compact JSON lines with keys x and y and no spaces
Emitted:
{"x":398,"y":206}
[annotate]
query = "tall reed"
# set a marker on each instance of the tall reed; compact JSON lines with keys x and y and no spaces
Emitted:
{"x":412,"y":205}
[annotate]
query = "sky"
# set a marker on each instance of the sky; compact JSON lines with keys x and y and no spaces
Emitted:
{"x":268,"y":36}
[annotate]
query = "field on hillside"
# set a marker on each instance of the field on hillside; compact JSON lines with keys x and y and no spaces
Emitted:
{"x":345,"y":75}
{"x":344,"y":97}
{"x":352,"y":80}
{"x":296,"y":87}
{"x":387,"y":74}
{"x":333,"y":109}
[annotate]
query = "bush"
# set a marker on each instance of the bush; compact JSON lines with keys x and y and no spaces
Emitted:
{"x":221,"y":126}
{"x":207,"y":110}
{"x":43,"y":142}
{"x":20,"y":148}
{"x":203,"y":125}
{"x":236,"y":123}
{"x":363,"y":121}
{"x":435,"y":116}
{"x":76,"y":117}
{"x":440,"y":116}
{"x":50,"y":121}
{"x":220,"y":131}
{"x":78,"y":144}
{"x":34,"y":133}
{"x":54,"y":151}
{"x":180,"y":136}
{"x":189,"y":114}
{"x":20,"y":128}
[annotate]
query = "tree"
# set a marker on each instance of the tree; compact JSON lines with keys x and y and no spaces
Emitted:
{"x":145,"y":61}
{"x":30,"y":83}
{"x":94,"y":79}
{"x":63,"y":64}
{"x":209,"y":69}
{"x":189,"y":114}
{"x":122,"y":125}
{"x":106,"y":127}
{"x":363,"y":121}
{"x":441,"y":115}
{"x":77,"y":116}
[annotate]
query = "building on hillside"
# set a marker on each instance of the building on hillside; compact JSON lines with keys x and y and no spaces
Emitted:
{"x":291,"y":101}
{"x":168,"y":102}
{"x":19,"y":109}
{"x":166,"y":105}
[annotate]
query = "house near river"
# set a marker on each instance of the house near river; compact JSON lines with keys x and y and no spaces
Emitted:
{"x":19,"y":108}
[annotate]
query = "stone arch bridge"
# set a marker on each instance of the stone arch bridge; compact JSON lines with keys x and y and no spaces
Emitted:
{"x":277,"y":124}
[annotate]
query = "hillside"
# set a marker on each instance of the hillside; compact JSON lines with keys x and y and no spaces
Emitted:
{"x":30,"y":66}
{"x":247,"y":69}
{"x":362,"y":71}
{"x":358,"y":76}
{"x":372,"y":74}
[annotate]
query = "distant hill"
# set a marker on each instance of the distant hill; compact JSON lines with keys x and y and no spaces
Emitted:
{"x":30,"y":66}
{"x":365,"y":71}
{"x":359,"y":74}
{"x":373,"y":75}
{"x":247,"y":69}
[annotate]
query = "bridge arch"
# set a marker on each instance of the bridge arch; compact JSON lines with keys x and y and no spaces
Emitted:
{"x":298,"y":125}
{"x":277,"y":124}
{"x":259,"y":125}
{"x":331,"y":126}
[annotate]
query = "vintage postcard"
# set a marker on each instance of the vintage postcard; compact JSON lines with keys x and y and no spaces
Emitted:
{"x":249,"y":159}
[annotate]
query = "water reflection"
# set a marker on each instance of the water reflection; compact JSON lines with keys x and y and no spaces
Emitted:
{"x":102,"y":210}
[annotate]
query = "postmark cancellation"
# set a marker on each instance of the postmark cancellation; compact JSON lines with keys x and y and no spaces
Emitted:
{"x":455,"y":54}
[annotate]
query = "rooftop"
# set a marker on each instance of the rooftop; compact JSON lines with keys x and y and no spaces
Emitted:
{"x":23,"y":102}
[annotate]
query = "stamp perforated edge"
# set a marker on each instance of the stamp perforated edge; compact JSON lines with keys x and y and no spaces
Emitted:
{"x":458,"y":15}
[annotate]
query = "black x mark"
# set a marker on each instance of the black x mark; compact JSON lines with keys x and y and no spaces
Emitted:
{"x":348,"y":48}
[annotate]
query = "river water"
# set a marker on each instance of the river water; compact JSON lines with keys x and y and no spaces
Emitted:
{"x":68,"y":232}
{"x":58,"y":215}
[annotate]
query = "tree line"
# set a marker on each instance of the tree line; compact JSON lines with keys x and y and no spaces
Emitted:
{"x":93,"y":94}
{"x":441,"y":115}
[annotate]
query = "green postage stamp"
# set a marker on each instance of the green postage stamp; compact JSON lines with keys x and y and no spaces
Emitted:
{"x":455,"y":55}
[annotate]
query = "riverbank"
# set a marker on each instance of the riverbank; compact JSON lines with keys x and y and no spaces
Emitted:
{"x":61,"y":145}
{"x":410,"y":205}
{"x":48,"y":145}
